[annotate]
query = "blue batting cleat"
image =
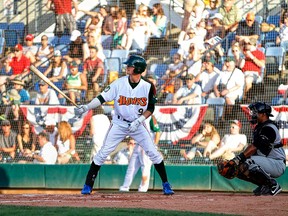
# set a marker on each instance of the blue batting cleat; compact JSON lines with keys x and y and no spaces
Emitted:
{"x":86,"y":190}
{"x":167,"y":190}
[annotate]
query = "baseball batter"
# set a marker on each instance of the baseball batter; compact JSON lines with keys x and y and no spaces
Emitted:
{"x":264,"y":160}
{"x":134,"y":101}
{"x":140,"y":159}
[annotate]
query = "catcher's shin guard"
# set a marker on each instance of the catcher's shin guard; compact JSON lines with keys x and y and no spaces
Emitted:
{"x":260,"y":177}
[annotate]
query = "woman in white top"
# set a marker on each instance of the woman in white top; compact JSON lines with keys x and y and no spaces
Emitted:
{"x":65,"y":143}
{"x":44,"y":53}
{"x":58,"y":68}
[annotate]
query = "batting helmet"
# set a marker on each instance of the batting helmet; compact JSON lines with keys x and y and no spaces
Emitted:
{"x":260,"y":107}
{"x":137,"y":62}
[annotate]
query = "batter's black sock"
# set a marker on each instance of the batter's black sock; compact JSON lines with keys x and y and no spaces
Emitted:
{"x":160,"y":168}
{"x":92,"y":174}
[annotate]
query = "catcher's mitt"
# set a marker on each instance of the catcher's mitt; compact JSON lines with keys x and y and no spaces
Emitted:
{"x":228,"y":169}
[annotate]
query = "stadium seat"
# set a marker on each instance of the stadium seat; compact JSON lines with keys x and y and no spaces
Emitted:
{"x":274,"y":59}
{"x":4,"y":25}
{"x":172,"y":52}
{"x":64,"y":40}
{"x":11,"y":38}
{"x":54,"y":41}
{"x":274,"y":19}
{"x":118,"y":53}
{"x":19,"y":27}
{"x":259,"y":19}
{"x":107,"y":53}
{"x":158,"y":70}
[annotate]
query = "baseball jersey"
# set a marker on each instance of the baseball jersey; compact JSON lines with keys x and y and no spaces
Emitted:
{"x":129,"y":103}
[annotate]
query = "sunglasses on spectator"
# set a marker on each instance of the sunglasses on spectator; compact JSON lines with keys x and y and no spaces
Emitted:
{"x":42,"y":39}
{"x":249,"y":20}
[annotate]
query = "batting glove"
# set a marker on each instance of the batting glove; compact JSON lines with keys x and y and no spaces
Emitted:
{"x":136,"y":123}
{"x":79,"y":111}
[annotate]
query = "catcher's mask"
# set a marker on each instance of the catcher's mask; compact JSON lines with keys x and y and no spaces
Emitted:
{"x":137,"y":62}
{"x":259,"y":107}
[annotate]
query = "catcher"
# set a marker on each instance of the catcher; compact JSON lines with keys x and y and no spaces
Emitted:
{"x":262,"y":161}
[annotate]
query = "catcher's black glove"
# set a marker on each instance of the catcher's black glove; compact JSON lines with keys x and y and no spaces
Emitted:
{"x":230,"y":169}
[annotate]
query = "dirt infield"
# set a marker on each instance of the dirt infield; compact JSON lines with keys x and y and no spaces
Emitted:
{"x":229,"y":203}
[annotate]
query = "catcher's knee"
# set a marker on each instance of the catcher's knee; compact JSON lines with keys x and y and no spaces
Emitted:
{"x":246,"y":166}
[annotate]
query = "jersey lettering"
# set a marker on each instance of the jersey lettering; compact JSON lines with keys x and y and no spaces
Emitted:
{"x":132,"y":101}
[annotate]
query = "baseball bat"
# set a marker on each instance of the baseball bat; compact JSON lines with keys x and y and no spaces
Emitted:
{"x":46,"y":80}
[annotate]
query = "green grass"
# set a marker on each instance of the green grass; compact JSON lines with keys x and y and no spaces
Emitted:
{"x":71,"y":211}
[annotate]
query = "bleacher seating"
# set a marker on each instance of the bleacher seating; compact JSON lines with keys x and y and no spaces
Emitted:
{"x":118,"y":53}
{"x":107,"y":53}
{"x":273,"y":19}
{"x":4,"y":25}
{"x":274,"y":59}
{"x":19,"y":27}
{"x":11,"y":38}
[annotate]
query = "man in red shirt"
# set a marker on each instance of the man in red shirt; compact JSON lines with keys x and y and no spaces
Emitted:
{"x":254,"y":61}
{"x":19,"y":63}
{"x":64,"y":16}
{"x":93,"y":68}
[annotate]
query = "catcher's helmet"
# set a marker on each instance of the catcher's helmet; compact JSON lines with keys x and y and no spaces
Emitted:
{"x":137,"y":62}
{"x":260,"y":107}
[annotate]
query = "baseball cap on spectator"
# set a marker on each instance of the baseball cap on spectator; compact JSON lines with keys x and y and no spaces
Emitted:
{"x":74,"y":35}
{"x":17,"y":81}
{"x":29,"y":37}
{"x":5,"y":123}
{"x":73,"y":64}
{"x":217,"y":16}
{"x":189,"y":77}
{"x":13,"y":94}
{"x":18,"y":47}
{"x":236,"y":122}
{"x":211,"y":59}
{"x":41,"y":82}
{"x":57,"y":53}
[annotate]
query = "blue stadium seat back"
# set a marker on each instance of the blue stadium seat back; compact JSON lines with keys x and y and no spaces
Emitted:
{"x":64,"y":40}
{"x":63,"y":48}
{"x":80,"y":67}
{"x":273,"y":19}
{"x":113,"y":64}
{"x":107,"y":53}
{"x":2,"y":45}
{"x":270,"y":36}
{"x":227,"y":42}
{"x":4,"y":25}
{"x":172,"y":52}
{"x":81,"y":25}
{"x":158,"y":70}
{"x":36,"y":87}
{"x":11,"y":38}
{"x":54,"y":41}
{"x":59,"y":84}
{"x":19,"y":27}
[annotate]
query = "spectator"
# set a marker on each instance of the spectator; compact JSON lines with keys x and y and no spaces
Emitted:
{"x":203,"y":143}
{"x":282,"y":38}
{"x":66,"y":144}
{"x":108,"y":23}
{"x":248,"y":29}
{"x":211,"y":10}
{"x":207,"y":78}
{"x":19,"y":95}
{"x":18,"y":62}
{"x":47,"y":154}
{"x":99,"y":125}
{"x":64,"y":15}
{"x":178,"y":83}
{"x":51,"y":129}
{"x":30,"y":50}
{"x":193,"y":12}
{"x":44,"y":53}
{"x":231,"y":143}
{"x":229,"y":85}
{"x":158,"y":26}
{"x":231,"y":15}
{"x":76,"y":48}
{"x":121,"y":28}
{"x":190,"y":93}
{"x":75,"y":83}
{"x":93,"y":69}
{"x":46,"y":95}
{"x":193,"y":61}
{"x":7,"y":142}
{"x":216,"y":28}
{"x":123,"y":156}
{"x":26,"y":141}
{"x":140,"y":159}
{"x":184,"y":46}
{"x":238,"y":55}
{"x":254,"y":61}
{"x":93,"y":23}
{"x":94,"y":40}
{"x":201,"y":29}
{"x":57,"y":68}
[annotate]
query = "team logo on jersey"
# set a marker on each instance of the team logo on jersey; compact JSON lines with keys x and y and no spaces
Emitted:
{"x":132,"y":101}
{"x":107,"y":89}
